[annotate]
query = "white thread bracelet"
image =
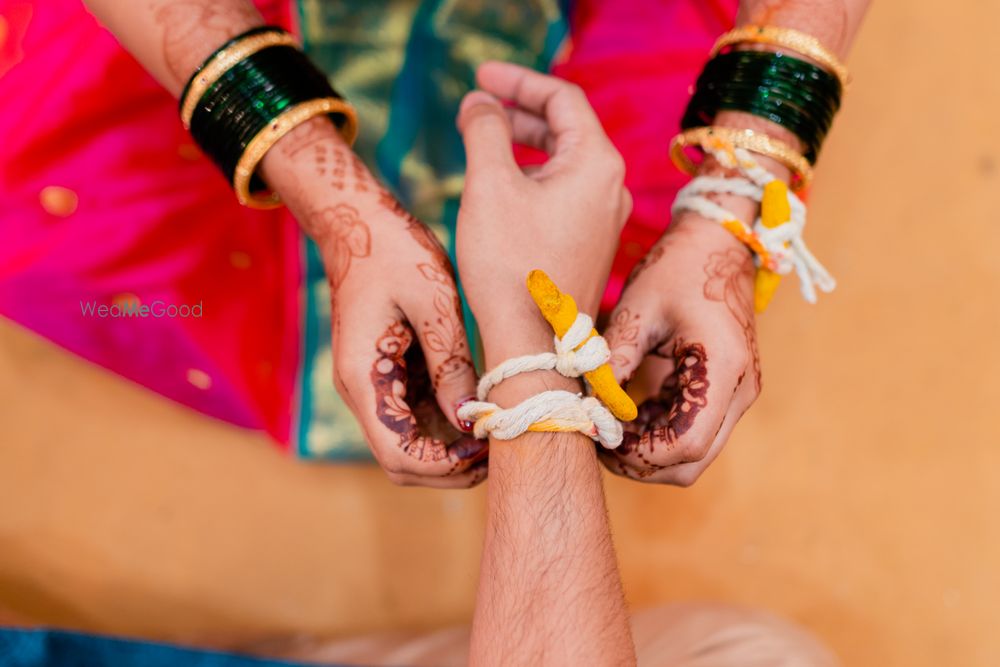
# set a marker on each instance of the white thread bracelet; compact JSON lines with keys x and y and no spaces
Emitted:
{"x":784,"y":243}
{"x":575,"y":355}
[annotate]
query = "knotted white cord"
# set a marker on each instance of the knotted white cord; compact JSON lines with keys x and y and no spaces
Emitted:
{"x":568,"y":360}
{"x":575,"y":355}
{"x":784,"y":243}
{"x":574,"y":412}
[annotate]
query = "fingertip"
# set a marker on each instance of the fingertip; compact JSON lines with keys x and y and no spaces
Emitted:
{"x":467,"y":110}
{"x":488,"y":72}
{"x":463,"y":425}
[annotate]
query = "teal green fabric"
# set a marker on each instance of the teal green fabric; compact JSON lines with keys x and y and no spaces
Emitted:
{"x":405,"y":65}
{"x":54,"y":648}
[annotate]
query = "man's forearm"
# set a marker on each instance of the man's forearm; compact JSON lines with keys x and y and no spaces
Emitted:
{"x":549,"y":589}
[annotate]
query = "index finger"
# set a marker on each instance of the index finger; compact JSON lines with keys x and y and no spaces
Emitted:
{"x":562,"y":104}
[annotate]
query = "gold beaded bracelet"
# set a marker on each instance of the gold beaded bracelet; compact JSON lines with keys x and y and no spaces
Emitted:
{"x":800,"y":42}
{"x":223,"y":61}
{"x":287,"y":121}
{"x":755,"y":142}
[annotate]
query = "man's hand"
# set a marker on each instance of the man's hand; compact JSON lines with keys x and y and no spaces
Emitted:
{"x":683,"y":337}
{"x":400,"y":356}
{"x":564,"y":216}
{"x":549,"y":590}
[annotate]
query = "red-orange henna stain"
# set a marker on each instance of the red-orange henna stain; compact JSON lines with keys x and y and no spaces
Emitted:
{"x":730,"y":280}
{"x":190,"y":24}
{"x":390,"y":375}
{"x":623,"y":337}
{"x":672,"y":412}
{"x":351,"y":240}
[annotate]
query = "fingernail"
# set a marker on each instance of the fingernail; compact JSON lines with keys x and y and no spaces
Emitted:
{"x":464,"y":424}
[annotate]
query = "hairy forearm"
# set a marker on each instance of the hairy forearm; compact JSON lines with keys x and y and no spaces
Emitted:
{"x":549,"y":589}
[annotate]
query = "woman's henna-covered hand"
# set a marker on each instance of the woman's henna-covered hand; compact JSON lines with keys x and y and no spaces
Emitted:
{"x":684,"y":337}
{"x":400,"y":356}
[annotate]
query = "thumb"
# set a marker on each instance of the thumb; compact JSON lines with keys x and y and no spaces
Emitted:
{"x":486,"y":132}
{"x":630,"y":337}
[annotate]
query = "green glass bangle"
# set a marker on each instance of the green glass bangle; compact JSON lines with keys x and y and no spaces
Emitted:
{"x":822,"y":99}
{"x":765,"y":88}
{"x":761,"y":101}
{"x":243,"y":35}
{"x":774,"y":64}
{"x":703,"y":113}
{"x":248,"y":96}
{"x":790,"y":92}
{"x":767,"y":92}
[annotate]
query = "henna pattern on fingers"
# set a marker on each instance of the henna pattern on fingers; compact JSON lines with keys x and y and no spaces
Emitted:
{"x":664,"y":418}
{"x":624,"y":333}
{"x":730,"y":280}
{"x":189,"y":24}
{"x":444,"y":334}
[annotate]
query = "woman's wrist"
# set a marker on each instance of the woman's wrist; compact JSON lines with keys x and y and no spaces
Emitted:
{"x":745,"y":121}
{"x":290,"y":161}
{"x":314,"y":171}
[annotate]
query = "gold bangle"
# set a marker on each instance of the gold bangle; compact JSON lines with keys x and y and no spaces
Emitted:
{"x":755,"y":142}
{"x":285,"y":122}
{"x":223,"y":61}
{"x":800,"y":42}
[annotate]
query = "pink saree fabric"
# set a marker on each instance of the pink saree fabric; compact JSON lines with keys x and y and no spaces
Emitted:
{"x":104,"y":200}
{"x":154,"y":221}
{"x":637,"y":60}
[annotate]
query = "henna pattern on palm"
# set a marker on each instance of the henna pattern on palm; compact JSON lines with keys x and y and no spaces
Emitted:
{"x":671,"y":413}
{"x":389,"y":377}
{"x":190,"y":24}
{"x":728,"y":273}
{"x":399,"y":376}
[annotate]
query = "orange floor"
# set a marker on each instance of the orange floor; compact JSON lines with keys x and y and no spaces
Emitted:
{"x":858,"y":496}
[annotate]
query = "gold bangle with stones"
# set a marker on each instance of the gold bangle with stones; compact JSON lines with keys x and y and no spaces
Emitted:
{"x":755,"y":142}
{"x":222,"y":61}
{"x":284,"y":123}
{"x":794,"y":40}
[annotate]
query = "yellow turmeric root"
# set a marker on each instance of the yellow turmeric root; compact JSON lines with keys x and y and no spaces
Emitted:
{"x":560,"y":311}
